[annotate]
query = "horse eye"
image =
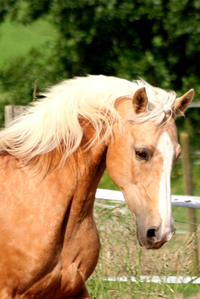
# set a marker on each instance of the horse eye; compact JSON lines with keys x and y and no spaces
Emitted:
{"x":142,"y":155}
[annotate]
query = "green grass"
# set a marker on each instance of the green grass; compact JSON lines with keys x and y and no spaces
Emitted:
{"x":16,"y":40}
{"x":107,"y":183}
{"x":122,"y":256}
{"x":177,"y":179}
{"x":118,"y":290}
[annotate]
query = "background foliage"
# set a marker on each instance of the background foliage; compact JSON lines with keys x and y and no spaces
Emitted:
{"x":157,"y":40}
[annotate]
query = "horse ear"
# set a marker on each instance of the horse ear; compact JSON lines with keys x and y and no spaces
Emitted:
{"x":140,"y":100}
{"x":183,"y":102}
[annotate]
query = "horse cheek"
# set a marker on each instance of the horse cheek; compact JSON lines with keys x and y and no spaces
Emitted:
{"x":119,"y":167}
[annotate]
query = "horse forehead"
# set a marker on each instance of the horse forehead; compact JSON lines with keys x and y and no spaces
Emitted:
{"x":165,"y":144}
{"x":170,"y":130}
{"x":152,"y":133}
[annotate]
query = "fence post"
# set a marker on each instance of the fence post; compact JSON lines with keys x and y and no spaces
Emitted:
{"x":11,"y":112}
{"x":188,"y":188}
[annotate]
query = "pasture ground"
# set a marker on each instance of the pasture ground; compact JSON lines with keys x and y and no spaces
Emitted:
{"x":122,"y":256}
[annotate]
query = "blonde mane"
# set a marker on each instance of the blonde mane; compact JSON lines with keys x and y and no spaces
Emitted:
{"x":54,"y":119}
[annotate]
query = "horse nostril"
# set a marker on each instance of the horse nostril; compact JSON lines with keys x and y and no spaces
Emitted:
{"x":151,"y":233}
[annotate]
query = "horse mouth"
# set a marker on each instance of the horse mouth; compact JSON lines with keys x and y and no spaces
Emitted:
{"x":154,"y":242}
{"x":157,"y":245}
{"x":150,"y":245}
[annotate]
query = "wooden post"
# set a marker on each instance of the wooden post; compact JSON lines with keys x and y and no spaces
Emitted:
{"x":11,"y":112}
{"x":188,"y":188}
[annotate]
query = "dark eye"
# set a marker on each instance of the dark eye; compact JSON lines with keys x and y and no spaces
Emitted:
{"x":142,"y":155}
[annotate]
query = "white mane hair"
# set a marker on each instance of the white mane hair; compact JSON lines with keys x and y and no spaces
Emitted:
{"x":54,"y":119}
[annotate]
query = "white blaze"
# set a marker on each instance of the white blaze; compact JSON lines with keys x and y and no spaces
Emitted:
{"x":165,"y":146}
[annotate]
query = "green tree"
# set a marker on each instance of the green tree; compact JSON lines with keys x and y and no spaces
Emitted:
{"x":154,"y":39}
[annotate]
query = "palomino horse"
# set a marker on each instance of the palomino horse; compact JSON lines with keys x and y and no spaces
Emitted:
{"x":51,"y":161}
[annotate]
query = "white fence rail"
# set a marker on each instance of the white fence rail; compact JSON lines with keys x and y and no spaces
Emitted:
{"x":156,"y":279}
{"x":177,"y":200}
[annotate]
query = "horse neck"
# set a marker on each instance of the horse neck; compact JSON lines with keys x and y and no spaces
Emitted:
{"x":88,"y":170}
{"x":82,"y":172}
{"x":88,"y":165}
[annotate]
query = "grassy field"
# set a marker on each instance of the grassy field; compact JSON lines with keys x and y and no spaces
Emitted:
{"x":17,"y":40}
{"x":120,"y":254}
{"x":128,"y":290}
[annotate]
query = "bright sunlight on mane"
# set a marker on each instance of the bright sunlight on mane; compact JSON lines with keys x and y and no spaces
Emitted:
{"x":54,"y":119}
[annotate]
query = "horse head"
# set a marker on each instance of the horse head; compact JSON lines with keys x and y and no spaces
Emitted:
{"x":140,"y":158}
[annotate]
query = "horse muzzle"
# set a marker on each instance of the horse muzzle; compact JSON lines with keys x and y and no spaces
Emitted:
{"x":154,"y":237}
